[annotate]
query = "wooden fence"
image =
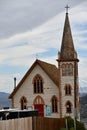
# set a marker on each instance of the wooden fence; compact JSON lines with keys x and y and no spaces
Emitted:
{"x":16,"y":124}
{"x":35,"y":123}
{"x":44,"y":123}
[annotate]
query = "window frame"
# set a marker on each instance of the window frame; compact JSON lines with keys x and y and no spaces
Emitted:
{"x":68,"y":107}
{"x":23,"y":102}
{"x":54,"y":103}
{"x":68,"y":90}
{"x":38,"y":84}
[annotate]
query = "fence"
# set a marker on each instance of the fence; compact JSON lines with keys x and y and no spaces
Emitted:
{"x":48,"y":123}
{"x":35,"y":123}
{"x":16,"y":124}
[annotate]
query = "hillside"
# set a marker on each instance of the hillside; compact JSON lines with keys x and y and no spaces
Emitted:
{"x":83,"y":99}
{"x":83,"y":106}
{"x":4,"y":101}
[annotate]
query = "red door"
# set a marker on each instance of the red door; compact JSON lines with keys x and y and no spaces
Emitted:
{"x":40,"y":108}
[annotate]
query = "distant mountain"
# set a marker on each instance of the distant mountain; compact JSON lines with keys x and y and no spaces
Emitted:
{"x":83,"y":90}
{"x":4,"y":101}
{"x":82,"y":94}
{"x":83,"y":99}
{"x":83,"y":106}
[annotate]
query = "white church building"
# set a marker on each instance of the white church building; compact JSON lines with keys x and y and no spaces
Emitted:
{"x":52,"y":90}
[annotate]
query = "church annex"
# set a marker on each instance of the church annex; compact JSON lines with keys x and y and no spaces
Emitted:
{"x":52,"y":90}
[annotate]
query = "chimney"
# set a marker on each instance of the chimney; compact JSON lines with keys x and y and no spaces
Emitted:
{"x":14,"y":82}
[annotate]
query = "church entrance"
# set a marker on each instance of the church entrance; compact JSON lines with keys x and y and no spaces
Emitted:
{"x":40,"y":108}
{"x":39,"y":105}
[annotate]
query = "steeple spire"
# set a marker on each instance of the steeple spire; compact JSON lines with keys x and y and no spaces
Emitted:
{"x":67,"y":47}
{"x":67,"y":7}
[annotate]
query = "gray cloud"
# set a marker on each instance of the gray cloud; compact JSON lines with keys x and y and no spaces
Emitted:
{"x":18,"y":16}
{"x":19,"y":51}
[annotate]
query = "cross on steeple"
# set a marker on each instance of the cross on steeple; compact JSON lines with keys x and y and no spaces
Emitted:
{"x":67,"y":7}
{"x":36,"y":56}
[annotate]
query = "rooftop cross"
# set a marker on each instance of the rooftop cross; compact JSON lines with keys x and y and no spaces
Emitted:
{"x":67,"y":7}
{"x":36,"y":56}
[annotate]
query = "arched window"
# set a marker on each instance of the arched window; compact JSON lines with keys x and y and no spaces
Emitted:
{"x":67,"y":89}
{"x":38,"y":84}
{"x":23,"y":102}
{"x":38,"y":100}
{"x":68,"y":107}
{"x":54,"y":104}
{"x":63,"y":70}
{"x":70,"y":69}
{"x":67,"y":69}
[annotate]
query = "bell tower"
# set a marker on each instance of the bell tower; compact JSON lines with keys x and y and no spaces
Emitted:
{"x":68,"y":73}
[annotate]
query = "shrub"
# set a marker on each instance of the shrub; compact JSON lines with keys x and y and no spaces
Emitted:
{"x":72,"y":128}
{"x":63,"y":129}
{"x":70,"y":124}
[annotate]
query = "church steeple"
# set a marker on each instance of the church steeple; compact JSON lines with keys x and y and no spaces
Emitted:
{"x":67,"y":51}
{"x":68,"y":72}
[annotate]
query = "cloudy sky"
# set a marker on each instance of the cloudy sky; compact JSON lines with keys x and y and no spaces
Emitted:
{"x":31,"y":29}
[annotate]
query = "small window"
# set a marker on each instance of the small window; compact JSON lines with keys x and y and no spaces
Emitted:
{"x":67,"y":89}
{"x":70,"y":69}
{"x":23,"y":102}
{"x":67,"y":69}
{"x":38,"y":84}
{"x":54,"y":104}
{"x":63,"y":70}
{"x":68,"y":107}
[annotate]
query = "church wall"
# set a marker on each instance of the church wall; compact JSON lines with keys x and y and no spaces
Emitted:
{"x":67,"y":80}
{"x":26,"y":90}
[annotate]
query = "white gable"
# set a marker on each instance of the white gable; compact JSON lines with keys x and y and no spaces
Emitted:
{"x":26,"y":89}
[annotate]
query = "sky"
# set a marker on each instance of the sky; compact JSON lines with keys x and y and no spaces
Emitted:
{"x":31,"y":29}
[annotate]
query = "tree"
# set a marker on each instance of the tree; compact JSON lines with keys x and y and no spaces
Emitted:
{"x":70,"y":124}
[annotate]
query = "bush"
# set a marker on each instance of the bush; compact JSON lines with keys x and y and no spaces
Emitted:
{"x":70,"y":124}
{"x":72,"y":128}
{"x":63,"y":129}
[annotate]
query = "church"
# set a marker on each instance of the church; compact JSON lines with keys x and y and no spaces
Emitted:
{"x":52,"y":90}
